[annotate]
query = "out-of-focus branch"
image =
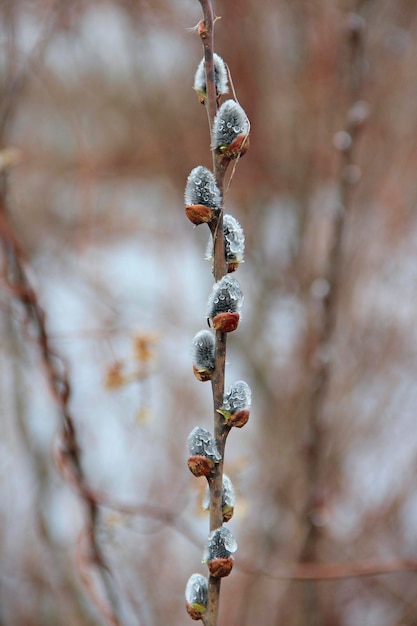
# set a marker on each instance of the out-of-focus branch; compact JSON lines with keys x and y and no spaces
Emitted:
{"x":67,"y":454}
{"x":295,"y":571}
{"x":16,"y":272}
{"x":321,"y":377}
{"x":59,"y":580}
{"x":18,"y":70}
{"x":333,"y":571}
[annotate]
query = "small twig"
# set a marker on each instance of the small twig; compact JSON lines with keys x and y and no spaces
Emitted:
{"x":229,"y":182}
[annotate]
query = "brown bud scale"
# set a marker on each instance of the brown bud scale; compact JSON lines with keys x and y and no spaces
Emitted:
{"x":193,"y":612}
{"x":202,"y":29}
{"x":199,"y":214}
{"x":239,"y":419}
{"x":226,"y":322}
{"x":238,"y":147}
{"x":219,"y":568}
{"x":202,"y":375}
{"x":227,"y":513}
{"x":232,"y":266}
{"x":200,"y":465}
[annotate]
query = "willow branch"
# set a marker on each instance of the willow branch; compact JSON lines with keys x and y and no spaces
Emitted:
{"x":219,"y":270}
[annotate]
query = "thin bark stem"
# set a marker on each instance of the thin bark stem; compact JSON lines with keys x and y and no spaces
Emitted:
{"x":219,"y":270}
{"x":207,"y":37}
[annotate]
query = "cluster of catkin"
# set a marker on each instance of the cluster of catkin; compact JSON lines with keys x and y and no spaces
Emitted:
{"x":204,"y":204}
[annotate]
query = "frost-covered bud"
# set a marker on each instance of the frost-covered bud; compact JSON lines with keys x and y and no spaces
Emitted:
{"x":203,"y":452}
{"x":234,"y":243}
{"x":220,"y":78}
{"x":228,"y":499}
{"x":196,"y":596}
{"x":201,"y":188}
{"x":203,"y":355}
{"x":202,"y":195}
{"x":224,"y":304}
{"x":218,"y":552}
{"x":231,"y":130}
{"x":236,"y":404}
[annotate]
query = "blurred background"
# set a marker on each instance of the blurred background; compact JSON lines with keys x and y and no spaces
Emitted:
{"x":97,"y":98}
